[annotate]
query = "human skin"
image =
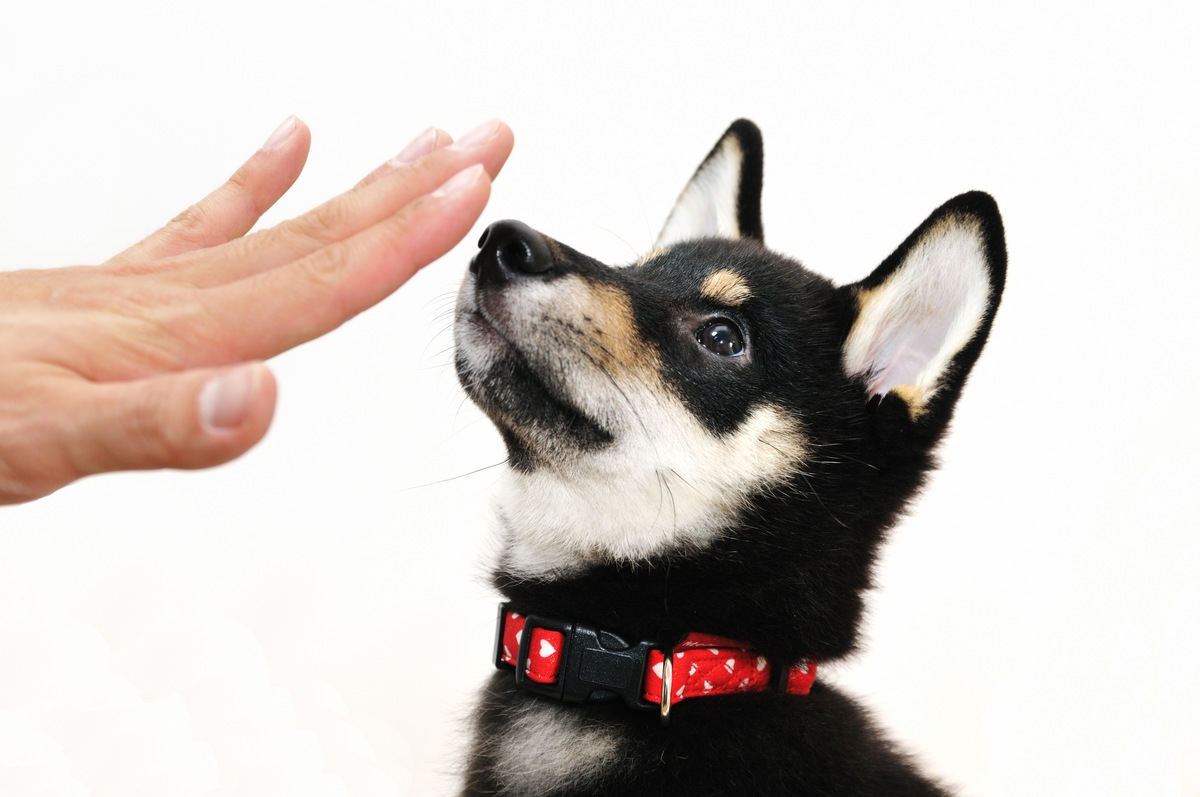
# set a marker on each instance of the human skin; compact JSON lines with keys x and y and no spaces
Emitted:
{"x":154,"y":358}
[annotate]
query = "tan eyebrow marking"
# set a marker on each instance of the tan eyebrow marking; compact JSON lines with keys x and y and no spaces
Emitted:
{"x":725,"y":287}
{"x":644,"y":259}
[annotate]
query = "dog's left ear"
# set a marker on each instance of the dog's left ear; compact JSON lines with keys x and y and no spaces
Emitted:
{"x":723,"y":198}
{"x":923,"y":316}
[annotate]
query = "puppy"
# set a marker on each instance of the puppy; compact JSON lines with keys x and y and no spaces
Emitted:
{"x":706,"y":449}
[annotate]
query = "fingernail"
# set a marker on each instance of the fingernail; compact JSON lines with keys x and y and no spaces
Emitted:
{"x":460,"y":181}
{"x":281,"y":134}
{"x":419,"y":147}
{"x":478,"y":135}
{"x":225,"y":400}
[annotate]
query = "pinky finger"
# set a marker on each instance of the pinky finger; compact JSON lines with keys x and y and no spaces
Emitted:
{"x":232,"y":209}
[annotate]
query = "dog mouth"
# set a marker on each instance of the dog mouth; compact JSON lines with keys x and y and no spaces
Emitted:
{"x":515,"y":393}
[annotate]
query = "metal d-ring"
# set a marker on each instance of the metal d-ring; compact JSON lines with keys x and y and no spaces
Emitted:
{"x":664,"y":704}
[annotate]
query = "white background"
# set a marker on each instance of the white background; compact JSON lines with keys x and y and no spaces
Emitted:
{"x":313,"y":618}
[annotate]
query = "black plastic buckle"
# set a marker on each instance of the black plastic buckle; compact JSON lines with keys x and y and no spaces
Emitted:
{"x":594,"y":665}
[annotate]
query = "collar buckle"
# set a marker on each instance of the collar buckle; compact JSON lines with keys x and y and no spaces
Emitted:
{"x":594,"y":665}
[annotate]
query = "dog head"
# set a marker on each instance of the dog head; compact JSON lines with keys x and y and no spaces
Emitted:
{"x":716,"y":400}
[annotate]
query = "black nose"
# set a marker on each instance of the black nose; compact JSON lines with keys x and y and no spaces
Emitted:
{"x":511,"y":250}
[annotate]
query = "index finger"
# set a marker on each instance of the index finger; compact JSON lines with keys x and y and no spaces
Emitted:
{"x":271,"y":312}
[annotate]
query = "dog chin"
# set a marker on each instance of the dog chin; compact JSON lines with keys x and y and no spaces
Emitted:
{"x":539,"y":424}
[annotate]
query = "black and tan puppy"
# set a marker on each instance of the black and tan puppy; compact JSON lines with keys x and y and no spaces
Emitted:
{"x":705,"y":450}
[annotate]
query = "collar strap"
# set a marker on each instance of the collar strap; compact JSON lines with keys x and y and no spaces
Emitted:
{"x":577,"y":663}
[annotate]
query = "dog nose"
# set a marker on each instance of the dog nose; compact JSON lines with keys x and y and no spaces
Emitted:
{"x":511,"y":250}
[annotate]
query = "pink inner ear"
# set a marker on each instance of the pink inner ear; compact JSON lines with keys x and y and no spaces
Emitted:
{"x":907,"y":353}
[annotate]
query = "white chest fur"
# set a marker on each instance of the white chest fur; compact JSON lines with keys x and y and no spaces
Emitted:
{"x":545,"y":749}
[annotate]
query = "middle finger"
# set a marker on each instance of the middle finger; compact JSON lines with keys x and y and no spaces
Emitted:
{"x":374,"y":199}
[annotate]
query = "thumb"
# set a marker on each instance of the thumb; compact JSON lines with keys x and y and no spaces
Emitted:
{"x":191,"y":419}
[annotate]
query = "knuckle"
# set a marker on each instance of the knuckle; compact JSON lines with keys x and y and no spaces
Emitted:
{"x":151,"y":430}
{"x":241,"y":185}
{"x":191,"y":226}
{"x":324,"y":274}
{"x":242,"y":191}
{"x":162,"y":314}
{"x":324,"y":225}
{"x":201,"y":224}
{"x":324,"y":269}
{"x":150,"y":328}
{"x":121,"y":319}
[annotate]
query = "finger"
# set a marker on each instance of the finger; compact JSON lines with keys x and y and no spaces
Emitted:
{"x":271,"y":312}
{"x":190,"y":419}
{"x":429,"y":140}
{"x":347,"y":215}
{"x":231,"y":210}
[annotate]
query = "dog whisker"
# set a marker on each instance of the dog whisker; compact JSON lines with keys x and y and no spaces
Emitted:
{"x":455,"y":478}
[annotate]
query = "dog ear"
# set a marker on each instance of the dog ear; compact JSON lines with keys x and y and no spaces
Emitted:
{"x":723,"y":198}
{"x":922,"y":317}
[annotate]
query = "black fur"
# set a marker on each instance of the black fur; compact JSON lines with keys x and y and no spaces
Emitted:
{"x":790,"y":577}
{"x":749,"y":198}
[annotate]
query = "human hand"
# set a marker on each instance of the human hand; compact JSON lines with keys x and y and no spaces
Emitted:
{"x":153,"y":359}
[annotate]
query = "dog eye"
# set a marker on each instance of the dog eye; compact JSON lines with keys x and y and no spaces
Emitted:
{"x":722,"y":337}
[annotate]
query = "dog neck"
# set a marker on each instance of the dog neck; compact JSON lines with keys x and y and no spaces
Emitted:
{"x":577,"y":663}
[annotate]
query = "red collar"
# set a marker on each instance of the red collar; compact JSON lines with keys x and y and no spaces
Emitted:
{"x":577,"y":663}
